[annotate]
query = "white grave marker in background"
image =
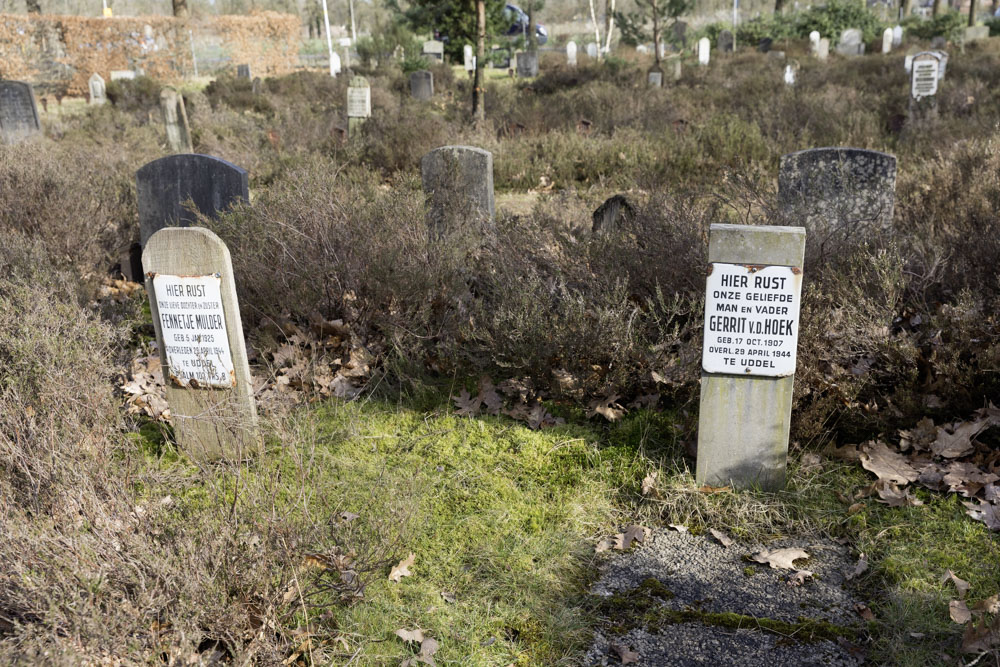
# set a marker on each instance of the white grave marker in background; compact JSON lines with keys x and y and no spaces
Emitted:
{"x":704,"y":50}
{"x":571,"y":54}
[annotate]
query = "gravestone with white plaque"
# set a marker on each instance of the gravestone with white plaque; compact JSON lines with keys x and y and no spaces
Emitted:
{"x":434,"y":49}
{"x":359,"y":103}
{"x":752,"y":298}
{"x":192,"y":297}
{"x":97,"y":88}
{"x":654,"y":77}
{"x":18,"y":112}
{"x":243,"y":72}
{"x":925,"y":75}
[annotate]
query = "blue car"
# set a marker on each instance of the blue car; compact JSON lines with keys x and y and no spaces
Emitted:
{"x":519,"y":24}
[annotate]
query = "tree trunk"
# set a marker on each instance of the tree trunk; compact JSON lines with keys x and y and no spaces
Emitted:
{"x":907,"y":8}
{"x":34,"y":6}
{"x":597,"y":29}
{"x":478,"y":96}
{"x":779,"y":6}
{"x":610,"y":7}
{"x":532,"y":37}
{"x":995,"y":7}
{"x":972,"y":13}
{"x":180,"y":9}
{"x":936,"y":9}
{"x":656,"y":32}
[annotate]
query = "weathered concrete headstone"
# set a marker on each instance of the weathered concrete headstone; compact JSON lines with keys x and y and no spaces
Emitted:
{"x":18,"y":112}
{"x":776,"y":55}
{"x":748,"y":358}
{"x":974,"y":33}
{"x":836,"y":191}
{"x":592,"y":50}
{"x":823,"y":49}
{"x":257,"y":86}
{"x":814,"y":41}
{"x":851,"y":43}
{"x":897,"y":36}
{"x":938,"y":42}
{"x":724,"y":43}
{"x":434,"y":49}
{"x":942,"y":64}
{"x":704,"y":47}
{"x":527,"y":64}
{"x":192,"y":296}
{"x":571,"y":54}
{"x":468,"y":58}
{"x":642,"y":49}
{"x":335,"y":66}
{"x":612,"y":214}
{"x":886,"y":40}
{"x":654,"y":77}
{"x":458,"y":182}
{"x":162,"y":186}
{"x":676,"y":64}
{"x":359,"y":103}
{"x":98,"y":90}
{"x":243,"y":72}
{"x":422,"y":85}
{"x":120,"y":74}
{"x":176,"y":121}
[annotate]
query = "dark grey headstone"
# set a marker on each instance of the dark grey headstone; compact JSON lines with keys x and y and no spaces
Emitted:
{"x":939,"y":42}
{"x":256,"y":86}
{"x":837,"y":190}
{"x":680,"y":32}
{"x":18,"y":112}
{"x":164,"y":185}
{"x":724,"y":43}
{"x":764,"y":45}
{"x":458,"y":181}
{"x":612,"y":214}
{"x":422,"y":85}
{"x":527,"y":64}
{"x":243,"y":72}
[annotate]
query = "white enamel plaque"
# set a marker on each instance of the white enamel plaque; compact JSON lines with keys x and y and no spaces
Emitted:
{"x":751,"y":319}
{"x":924,"y":79}
{"x":193,"y":325}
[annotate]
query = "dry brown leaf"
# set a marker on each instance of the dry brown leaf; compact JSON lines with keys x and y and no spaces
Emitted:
{"x":780,"y":558}
{"x":722,"y":538}
{"x":982,"y":637}
{"x":920,"y":437}
{"x":448,"y":597}
{"x":959,"y":612}
{"x":714,"y":489}
{"x":402,"y":569}
{"x":955,"y":440}
{"x":649,"y":483}
{"x":864,"y":612}
{"x":799,"y":577}
{"x":489,"y":396}
{"x":985,"y":512}
{"x":855,"y":508}
{"x":626,"y":655}
{"x":410,"y":635}
{"x":609,"y":543}
{"x":961,"y":586}
{"x":990,"y":605}
{"x":886,"y":464}
{"x":892,"y":496}
{"x":859,"y":569}
{"x":466,"y":406}
{"x":607,"y":408}
{"x":678,"y":527}
{"x":632,"y":534}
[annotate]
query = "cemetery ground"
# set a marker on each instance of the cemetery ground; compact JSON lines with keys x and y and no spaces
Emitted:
{"x":396,"y":489}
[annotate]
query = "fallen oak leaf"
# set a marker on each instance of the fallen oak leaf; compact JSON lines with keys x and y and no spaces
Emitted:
{"x":864,"y":612}
{"x":782,"y":559}
{"x":799,"y":577}
{"x":402,"y":569}
{"x":632,"y":534}
{"x":891,"y":466}
{"x":678,"y":527}
{"x":959,"y":612}
{"x":985,"y":512}
{"x":859,"y":569}
{"x":607,"y":408}
{"x":410,"y":635}
{"x":990,"y":605}
{"x":891,"y":495}
{"x":721,"y":537}
{"x":626,"y":655}
{"x":466,"y":405}
{"x":957,"y":441}
{"x":609,"y":543}
{"x":961,"y":585}
{"x":983,"y":638}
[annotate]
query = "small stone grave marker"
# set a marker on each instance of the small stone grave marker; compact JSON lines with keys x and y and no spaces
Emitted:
{"x":655,"y":77}
{"x":612,"y":214}
{"x":571,"y":54}
{"x":724,"y":43}
{"x":974,"y":33}
{"x":851,"y":43}
{"x":704,"y":48}
{"x":897,"y":36}
{"x":938,"y":42}
{"x":764,"y":45}
{"x":335,"y":66}
{"x":422,"y":85}
{"x":676,"y":61}
{"x":924,"y":75}
{"x":527,"y":64}
{"x":592,"y":50}
{"x":434,"y":49}
{"x":886,"y":40}
{"x":257,"y":85}
{"x":823,"y":49}
{"x":680,"y":32}
{"x":162,"y":186}
{"x":176,"y":121}
{"x":791,"y":73}
{"x":359,"y":103}
{"x":458,"y":182}
{"x":18,"y":112}
{"x":837,"y":191}
{"x":98,"y":89}
{"x":468,"y":58}
{"x":752,"y":296}
{"x":942,"y":63}
{"x":120,"y":74}
{"x":243,"y":72}
{"x":814,"y":41}
{"x":192,"y":296}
